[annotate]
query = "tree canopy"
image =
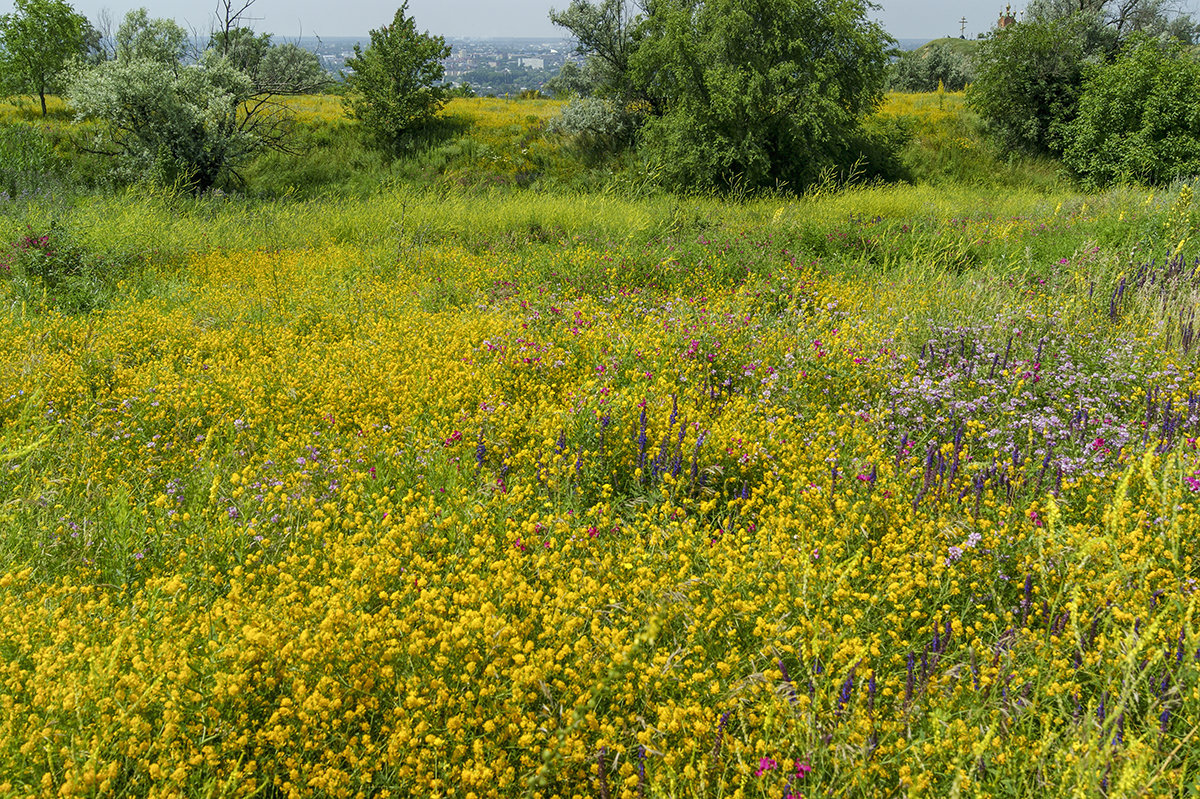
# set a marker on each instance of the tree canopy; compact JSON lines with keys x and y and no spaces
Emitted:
{"x":1138,"y":117}
{"x":737,"y":92}
{"x":192,"y":121}
{"x":948,"y":62}
{"x":37,"y":42}
{"x":1121,"y":18}
{"x":142,"y":38}
{"x":1028,"y":78}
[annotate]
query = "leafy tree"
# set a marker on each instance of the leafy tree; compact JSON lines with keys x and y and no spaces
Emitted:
{"x":1121,"y":18}
{"x":142,"y":38}
{"x":289,"y":69}
{"x":191,"y":122}
{"x":739,"y":92}
{"x":176,"y":122}
{"x":571,"y":81}
{"x":605,"y":106}
{"x":1139,"y":117}
{"x":275,"y":69}
{"x":37,"y":42}
{"x":393,"y":86}
{"x":242,"y":46}
{"x":1028,"y":78}
{"x":608,"y":32}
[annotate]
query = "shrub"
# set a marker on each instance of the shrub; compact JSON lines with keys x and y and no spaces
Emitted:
{"x":1139,"y":118}
{"x":598,"y":125}
{"x":758,"y":93}
{"x":393,"y":87}
{"x":50,"y":269}
{"x":946,"y":62}
{"x":1028,"y":79}
{"x":737,"y":93}
{"x":176,"y":123}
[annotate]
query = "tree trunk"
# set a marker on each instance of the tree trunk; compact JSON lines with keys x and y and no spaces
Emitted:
{"x":42,"y":94}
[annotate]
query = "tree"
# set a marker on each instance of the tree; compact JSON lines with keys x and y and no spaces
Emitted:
{"x":1028,"y":78}
{"x":608,"y":33}
{"x":1121,"y":18}
{"x":1139,"y":117}
{"x":179,"y":122}
{"x":37,"y":42}
{"x":393,"y":87}
{"x":739,"y":92}
{"x":242,"y":46}
{"x":571,"y":81}
{"x":142,"y":38}
{"x":191,"y":122}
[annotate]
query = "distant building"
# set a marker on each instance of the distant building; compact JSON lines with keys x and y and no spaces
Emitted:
{"x":532,"y":63}
{"x":1007,"y":20}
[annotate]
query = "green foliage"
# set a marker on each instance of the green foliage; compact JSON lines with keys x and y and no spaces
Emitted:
{"x":274,"y":69}
{"x":36,"y":44}
{"x":608,"y":32}
{"x":755,"y":93}
{"x":29,"y":167}
{"x":290,"y":69}
{"x":141,"y":38}
{"x":1028,"y":78}
{"x":191,"y":124}
{"x":597,"y":126}
{"x":49,"y":269}
{"x":732,"y":93}
{"x":175,"y":123}
{"x":242,"y":46}
{"x":1121,"y":18}
{"x":948,"y":62}
{"x":392,"y":87}
{"x":1139,"y":118}
{"x":571,"y":81}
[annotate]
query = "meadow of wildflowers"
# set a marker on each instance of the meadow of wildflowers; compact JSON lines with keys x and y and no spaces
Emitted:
{"x":885,"y":492}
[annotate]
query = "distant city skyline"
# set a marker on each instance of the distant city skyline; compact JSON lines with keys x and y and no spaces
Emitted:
{"x":903,"y":19}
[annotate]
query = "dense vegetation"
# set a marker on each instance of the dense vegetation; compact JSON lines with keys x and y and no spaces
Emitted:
{"x":948,"y":64}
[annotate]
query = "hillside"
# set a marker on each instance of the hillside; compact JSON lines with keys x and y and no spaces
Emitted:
{"x":497,"y":470}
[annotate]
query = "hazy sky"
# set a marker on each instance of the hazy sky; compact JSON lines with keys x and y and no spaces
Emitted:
{"x":904,"y":19}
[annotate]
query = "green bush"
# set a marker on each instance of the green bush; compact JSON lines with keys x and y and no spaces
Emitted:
{"x":29,"y":167}
{"x":1138,"y":118}
{"x":598,"y":127}
{"x":50,"y":269}
{"x":943,"y":61}
{"x":393,"y":88}
{"x":732,"y":94}
{"x":1028,"y":79}
{"x":757,"y":93}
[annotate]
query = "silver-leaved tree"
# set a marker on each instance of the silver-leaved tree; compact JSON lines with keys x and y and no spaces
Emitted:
{"x":191,"y":121}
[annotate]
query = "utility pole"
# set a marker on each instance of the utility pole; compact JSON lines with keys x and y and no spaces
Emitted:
{"x":962,"y":28}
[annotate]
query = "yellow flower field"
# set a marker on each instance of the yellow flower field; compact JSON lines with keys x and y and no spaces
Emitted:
{"x":700,"y":514}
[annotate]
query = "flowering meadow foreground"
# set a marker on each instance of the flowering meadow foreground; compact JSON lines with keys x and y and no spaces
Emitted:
{"x":889,"y":492}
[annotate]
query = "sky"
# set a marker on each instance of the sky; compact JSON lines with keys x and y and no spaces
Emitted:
{"x":904,"y":19}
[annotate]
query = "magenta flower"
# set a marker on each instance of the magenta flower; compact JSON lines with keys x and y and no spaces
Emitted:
{"x":765,"y":764}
